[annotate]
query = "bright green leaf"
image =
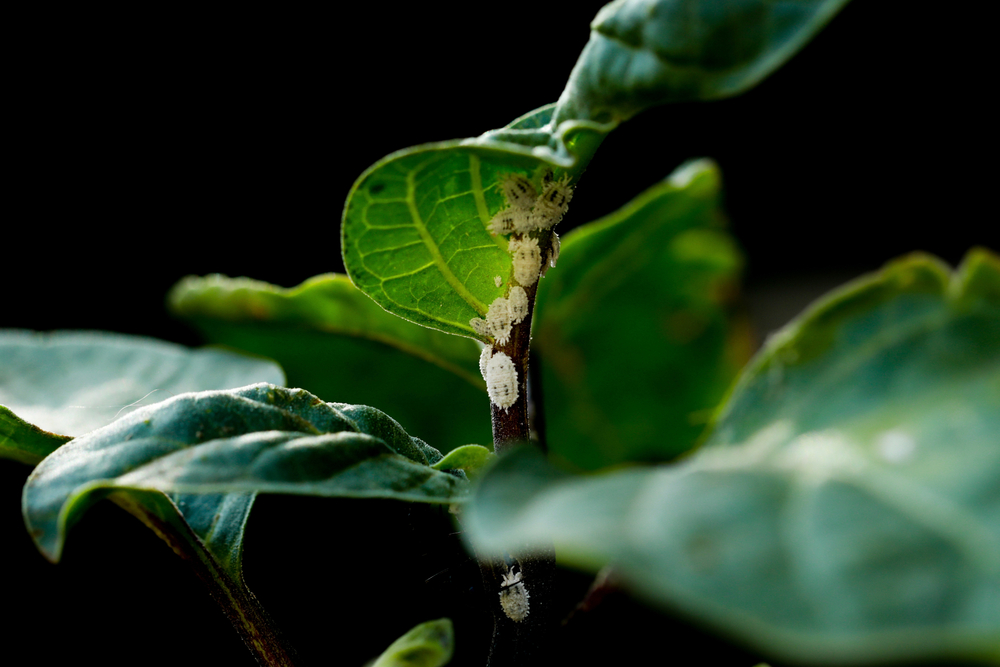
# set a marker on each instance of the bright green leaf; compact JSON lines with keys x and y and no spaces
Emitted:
{"x":643,"y":53}
{"x":334,"y":341}
{"x":257,"y":438}
{"x":634,"y":329}
{"x":469,"y":458}
{"x":429,"y":644}
{"x":414,"y":233}
{"x":847,"y":505}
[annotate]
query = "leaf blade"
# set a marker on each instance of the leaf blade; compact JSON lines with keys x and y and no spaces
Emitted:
{"x":857,"y":521}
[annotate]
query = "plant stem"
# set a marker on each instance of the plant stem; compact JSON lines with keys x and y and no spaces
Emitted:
{"x":520,"y":642}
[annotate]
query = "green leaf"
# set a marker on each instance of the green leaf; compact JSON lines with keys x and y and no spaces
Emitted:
{"x":644,"y":53}
{"x":54,"y":385}
{"x":469,"y":458}
{"x":846,"y":507}
{"x":414,"y":233}
{"x":260,"y":438}
{"x":634,"y":329}
{"x":429,"y":644}
{"x":76,"y":383}
{"x":25,"y":442}
{"x":336,"y":342}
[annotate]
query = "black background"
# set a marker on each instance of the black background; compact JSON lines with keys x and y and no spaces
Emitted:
{"x":147,"y":144}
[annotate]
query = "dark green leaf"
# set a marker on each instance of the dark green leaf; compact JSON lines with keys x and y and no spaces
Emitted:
{"x":634,"y":328}
{"x":257,"y":438}
{"x":414,"y":233}
{"x":847,"y":505}
{"x":336,"y":342}
{"x":429,"y":644}
{"x":643,"y":53}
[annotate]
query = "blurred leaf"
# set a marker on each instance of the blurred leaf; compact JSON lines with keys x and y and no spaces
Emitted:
{"x":72,"y":382}
{"x":414,"y":233}
{"x":644,"y":53}
{"x":429,"y":644}
{"x":846,"y":507}
{"x":336,"y":342}
{"x":633,"y":327}
{"x":469,"y":458}
{"x":257,"y":438}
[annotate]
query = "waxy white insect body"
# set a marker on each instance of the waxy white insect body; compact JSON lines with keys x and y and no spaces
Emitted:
{"x":479,"y":325}
{"x":519,"y":191}
{"x":509,"y":220}
{"x":527,"y":259}
{"x":498,"y":281}
{"x":514,"y":596}
{"x":484,"y":358}
{"x":499,"y":320}
{"x":517,"y":300}
{"x":501,"y":380}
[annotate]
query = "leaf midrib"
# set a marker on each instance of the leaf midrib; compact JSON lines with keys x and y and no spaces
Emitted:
{"x":433,"y":249}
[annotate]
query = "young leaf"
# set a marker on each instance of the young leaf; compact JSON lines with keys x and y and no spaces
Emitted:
{"x":469,"y":458}
{"x":634,"y":328}
{"x":260,"y":438}
{"x":56,"y":385}
{"x":414,"y":232}
{"x":845,"y":507}
{"x":429,"y":644}
{"x":643,"y":53}
{"x":335,"y":342}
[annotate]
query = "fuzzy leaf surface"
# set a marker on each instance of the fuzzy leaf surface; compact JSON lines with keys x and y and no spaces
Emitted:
{"x":846,"y":507}
{"x":634,"y":328}
{"x":335,"y":342}
{"x":260,"y":438}
{"x":643,"y":53}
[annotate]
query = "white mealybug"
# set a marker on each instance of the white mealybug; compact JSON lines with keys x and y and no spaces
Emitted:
{"x":479,"y":325}
{"x":518,"y":303}
{"x":498,"y":281}
{"x":514,"y":596}
{"x":501,"y":380}
{"x":484,"y":357}
{"x":553,"y":202}
{"x":499,"y":320}
{"x":518,"y":190}
{"x":527,"y":259}
{"x":509,"y":220}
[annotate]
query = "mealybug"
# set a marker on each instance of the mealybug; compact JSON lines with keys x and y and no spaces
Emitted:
{"x":518,"y":302}
{"x":527,"y":259}
{"x":484,"y":357}
{"x":498,"y":320}
{"x":554,"y":250}
{"x":479,"y":325}
{"x":518,"y":190}
{"x":498,"y":281}
{"x":501,"y":380}
{"x":554,"y":201}
{"x":508,"y":220}
{"x":514,"y":596}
